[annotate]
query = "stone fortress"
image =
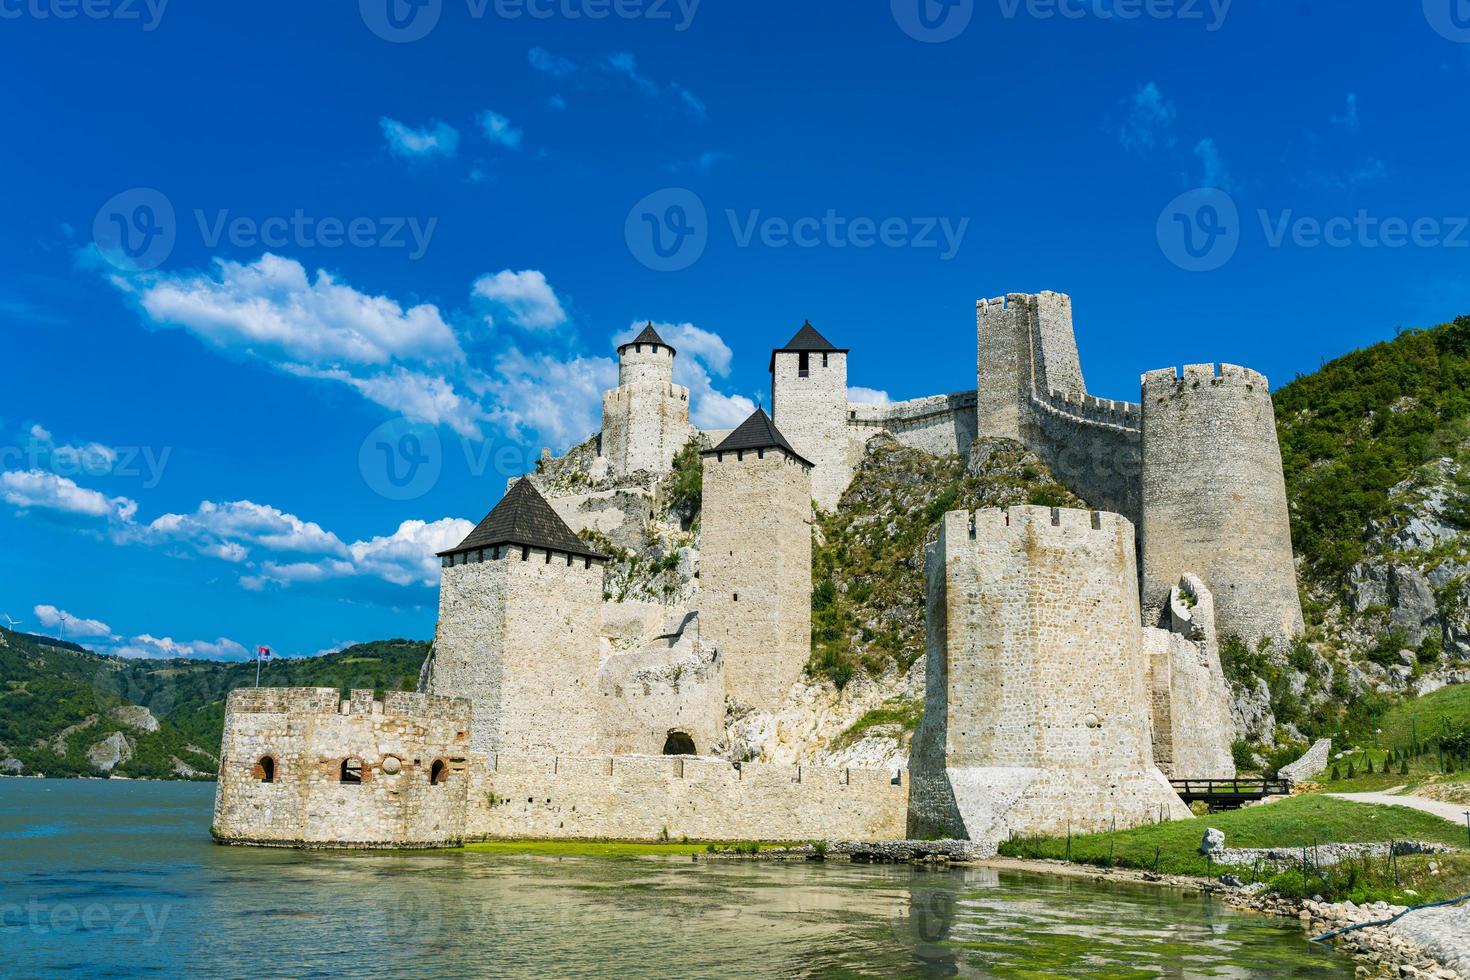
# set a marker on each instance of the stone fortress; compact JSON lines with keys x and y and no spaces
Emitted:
{"x":1072,"y":660}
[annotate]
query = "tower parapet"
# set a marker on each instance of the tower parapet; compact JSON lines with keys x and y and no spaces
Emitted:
{"x":519,"y":605}
{"x":1036,"y":710}
{"x":645,"y":419}
{"x":756,"y":561}
{"x":1214,"y":499}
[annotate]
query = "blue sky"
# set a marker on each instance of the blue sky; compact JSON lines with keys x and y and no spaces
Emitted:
{"x":245,"y":242}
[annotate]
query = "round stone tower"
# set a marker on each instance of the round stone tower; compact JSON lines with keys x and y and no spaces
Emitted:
{"x":645,"y":419}
{"x":1214,"y":499}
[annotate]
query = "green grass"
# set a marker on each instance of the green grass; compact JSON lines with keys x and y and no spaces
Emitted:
{"x":1299,"y":822}
{"x":904,"y":712}
{"x":1447,"y":709}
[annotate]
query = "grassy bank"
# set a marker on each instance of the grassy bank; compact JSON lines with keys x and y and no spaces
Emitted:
{"x":1300,"y":822}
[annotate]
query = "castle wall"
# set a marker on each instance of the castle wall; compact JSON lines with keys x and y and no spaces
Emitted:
{"x":645,"y":419}
{"x":657,"y":678}
{"x":756,"y":571}
{"x":1214,"y":499}
{"x":811,"y":413}
{"x":1192,"y":724}
{"x":1037,"y":715}
{"x":939,"y":424}
{"x":1030,"y":388}
{"x":518,"y":636}
{"x":308,"y":733}
{"x":652,"y":798}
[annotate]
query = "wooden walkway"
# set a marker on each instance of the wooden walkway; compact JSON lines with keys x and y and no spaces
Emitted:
{"x":1228,"y":794}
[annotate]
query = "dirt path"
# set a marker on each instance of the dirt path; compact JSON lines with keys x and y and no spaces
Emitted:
{"x":1454,"y":812}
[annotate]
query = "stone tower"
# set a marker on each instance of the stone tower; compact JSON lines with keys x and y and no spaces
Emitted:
{"x":756,"y":561}
{"x":809,"y":403}
{"x":645,"y":419}
{"x":1214,"y":499}
{"x":519,"y":606}
{"x":1037,"y":714}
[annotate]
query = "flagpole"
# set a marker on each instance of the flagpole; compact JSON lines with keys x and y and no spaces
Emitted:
{"x":257,"y":668}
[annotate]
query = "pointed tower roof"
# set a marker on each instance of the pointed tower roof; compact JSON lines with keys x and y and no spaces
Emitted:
{"x":757,"y":432}
{"x":809,"y":340}
{"x":524,"y":518}
{"x":648,"y":336}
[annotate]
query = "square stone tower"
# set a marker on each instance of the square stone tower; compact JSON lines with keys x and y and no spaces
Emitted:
{"x":645,"y":419}
{"x":1037,"y":714}
{"x":519,"y":606}
{"x":809,"y":403}
{"x":756,"y":561}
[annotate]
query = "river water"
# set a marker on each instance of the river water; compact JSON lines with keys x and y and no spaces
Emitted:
{"x":116,"y":878}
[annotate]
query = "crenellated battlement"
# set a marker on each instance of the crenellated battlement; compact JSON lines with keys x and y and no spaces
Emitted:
{"x":306,"y":701}
{"x":1194,"y":376}
{"x":1091,"y":410}
{"x":1030,"y":521}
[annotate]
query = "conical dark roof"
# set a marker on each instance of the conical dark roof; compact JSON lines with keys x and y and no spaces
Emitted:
{"x":757,"y":432}
{"x":806,"y":339}
{"x":524,"y":518}
{"x":648,"y":336}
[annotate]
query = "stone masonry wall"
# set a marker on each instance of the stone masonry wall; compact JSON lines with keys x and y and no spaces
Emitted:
{"x":518,"y":636}
{"x":1192,"y":724}
{"x":1037,"y":714}
{"x":756,"y":571}
{"x":939,"y":424}
{"x":645,"y":419}
{"x":1030,"y":388}
{"x":308,"y":733}
{"x":811,"y":413}
{"x":651,"y":798}
{"x":1214,"y":499}
{"x":675,"y":682}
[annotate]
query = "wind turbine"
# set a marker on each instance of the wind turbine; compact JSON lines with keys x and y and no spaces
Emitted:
{"x":9,"y":621}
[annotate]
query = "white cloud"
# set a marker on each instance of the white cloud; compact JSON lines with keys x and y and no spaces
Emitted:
{"x":1349,"y":119}
{"x":1149,"y":118}
{"x":39,"y":488}
{"x":625,"y":64}
{"x":271,"y":310}
{"x":404,"y":558}
{"x":92,"y":458}
{"x":559,"y":399}
{"x":716,"y":410}
{"x":68,"y":625}
{"x":551,"y":64}
{"x":557,"y":102}
{"x":525,"y":298}
{"x":1215,"y":174}
{"x":868,"y":396}
{"x":145,"y":646}
{"x":435,"y":140}
{"x":498,"y":130}
{"x":228,"y":530}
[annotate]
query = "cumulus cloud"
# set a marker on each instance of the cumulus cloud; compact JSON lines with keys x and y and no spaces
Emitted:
{"x":41,"y":489}
{"x":868,"y":396}
{"x":1349,"y":118}
{"x":434,"y":140}
{"x":317,"y":327}
{"x":145,"y":646}
{"x":1147,"y":121}
{"x":498,"y":130}
{"x":524,"y":298}
{"x":229,"y":530}
{"x":91,"y":457}
{"x":561,"y":399}
{"x":404,"y":558}
{"x":65,"y":623}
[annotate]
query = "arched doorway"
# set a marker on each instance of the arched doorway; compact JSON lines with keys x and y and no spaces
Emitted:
{"x":678,"y":743}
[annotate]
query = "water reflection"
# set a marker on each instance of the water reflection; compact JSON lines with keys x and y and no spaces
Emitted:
{"x":132,"y":884}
